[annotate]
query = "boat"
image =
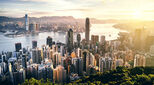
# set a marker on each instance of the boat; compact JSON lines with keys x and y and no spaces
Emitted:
{"x":10,"y":33}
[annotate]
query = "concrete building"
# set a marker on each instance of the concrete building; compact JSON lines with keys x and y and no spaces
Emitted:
{"x":139,"y":60}
{"x":59,"y":74}
{"x":105,"y":64}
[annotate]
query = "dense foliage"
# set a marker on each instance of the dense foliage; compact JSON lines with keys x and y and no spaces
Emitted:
{"x":120,"y":76}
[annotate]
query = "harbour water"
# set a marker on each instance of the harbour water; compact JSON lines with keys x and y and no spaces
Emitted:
{"x":8,"y":43}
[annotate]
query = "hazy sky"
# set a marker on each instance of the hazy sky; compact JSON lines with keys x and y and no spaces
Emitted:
{"x":102,"y":9}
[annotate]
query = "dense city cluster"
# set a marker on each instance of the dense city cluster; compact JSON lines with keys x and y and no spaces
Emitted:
{"x":18,"y":26}
{"x":65,"y":62}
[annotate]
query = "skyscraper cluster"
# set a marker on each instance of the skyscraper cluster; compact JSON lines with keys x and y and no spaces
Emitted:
{"x":31,"y":27}
{"x":61,"y":62}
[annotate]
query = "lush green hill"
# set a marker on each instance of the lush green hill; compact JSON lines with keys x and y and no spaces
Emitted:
{"x":120,"y":76}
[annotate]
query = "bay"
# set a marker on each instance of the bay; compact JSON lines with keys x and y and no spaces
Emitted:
{"x":8,"y":44}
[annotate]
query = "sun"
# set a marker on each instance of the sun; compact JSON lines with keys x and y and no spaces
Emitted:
{"x":137,"y":14}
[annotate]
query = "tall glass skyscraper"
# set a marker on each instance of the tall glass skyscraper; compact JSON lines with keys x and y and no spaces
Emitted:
{"x":87,"y":30}
{"x":26,"y":22}
{"x":70,"y":41}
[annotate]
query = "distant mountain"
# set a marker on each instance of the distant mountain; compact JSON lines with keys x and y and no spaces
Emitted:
{"x":56,"y":19}
{"x":9,"y":19}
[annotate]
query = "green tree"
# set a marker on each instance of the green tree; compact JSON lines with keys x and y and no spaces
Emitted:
{"x":142,"y":80}
{"x":127,"y":83}
{"x":137,"y":70}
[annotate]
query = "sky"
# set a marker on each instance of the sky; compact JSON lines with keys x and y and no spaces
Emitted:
{"x":100,"y":9}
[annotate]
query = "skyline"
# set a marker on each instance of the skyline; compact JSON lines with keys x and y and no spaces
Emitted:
{"x":102,"y":9}
{"x":70,"y":42}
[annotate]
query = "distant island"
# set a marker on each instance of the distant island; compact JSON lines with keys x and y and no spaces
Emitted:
{"x":132,"y":25}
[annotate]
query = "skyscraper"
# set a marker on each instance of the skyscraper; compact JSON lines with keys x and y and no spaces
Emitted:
{"x":102,"y":39}
{"x":34,"y":44}
{"x":70,"y":41}
{"x":78,"y":39}
{"x":87,"y":30}
{"x":78,"y":65}
{"x":18,"y":47}
{"x":105,"y":64}
{"x":49,"y":41}
{"x":24,"y":61}
{"x":139,"y":60}
{"x":36,"y":55}
{"x":94,"y":39}
{"x":32,"y":27}
{"x":26,"y":22}
{"x":85,"y":55}
{"x":37,"y":27}
{"x":59,"y":74}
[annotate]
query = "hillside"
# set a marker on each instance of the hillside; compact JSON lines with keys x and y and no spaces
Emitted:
{"x":120,"y":76}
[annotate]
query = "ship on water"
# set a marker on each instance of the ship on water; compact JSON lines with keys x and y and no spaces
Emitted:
{"x":12,"y":34}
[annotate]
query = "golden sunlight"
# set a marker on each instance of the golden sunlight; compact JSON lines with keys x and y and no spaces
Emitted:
{"x":137,"y":14}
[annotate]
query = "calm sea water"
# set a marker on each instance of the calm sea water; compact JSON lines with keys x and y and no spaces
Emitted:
{"x":8,"y":44}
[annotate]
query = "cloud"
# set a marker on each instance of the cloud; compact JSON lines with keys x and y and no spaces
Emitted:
{"x":40,"y":13}
{"x":148,"y":10}
{"x":81,"y":9}
{"x":78,"y":8}
{"x":38,"y":0}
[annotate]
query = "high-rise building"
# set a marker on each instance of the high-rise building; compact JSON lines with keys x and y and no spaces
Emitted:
{"x":49,"y":41}
{"x":32,"y":27}
{"x":87,"y":30}
{"x":49,"y":72}
{"x":26,"y":22}
{"x":59,"y":74}
{"x":119,"y":62}
{"x":21,"y":75}
{"x":102,"y":45}
{"x":139,"y":60}
{"x":86,"y":54}
{"x":78,"y":52}
{"x":70,"y":41}
{"x":37,"y":27}
{"x":94,"y":39}
{"x":10,"y":72}
{"x":32,"y":71}
{"x":18,"y":47}
{"x":105,"y":64}
{"x":78,"y":39}
{"x":56,"y":59}
{"x":78,"y":65}
{"x":34,"y":44}
{"x":102,"y":39}
{"x":36,"y":56}
{"x":24,"y":61}
{"x":3,"y":57}
{"x":41,"y":71}
{"x":90,"y":60}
